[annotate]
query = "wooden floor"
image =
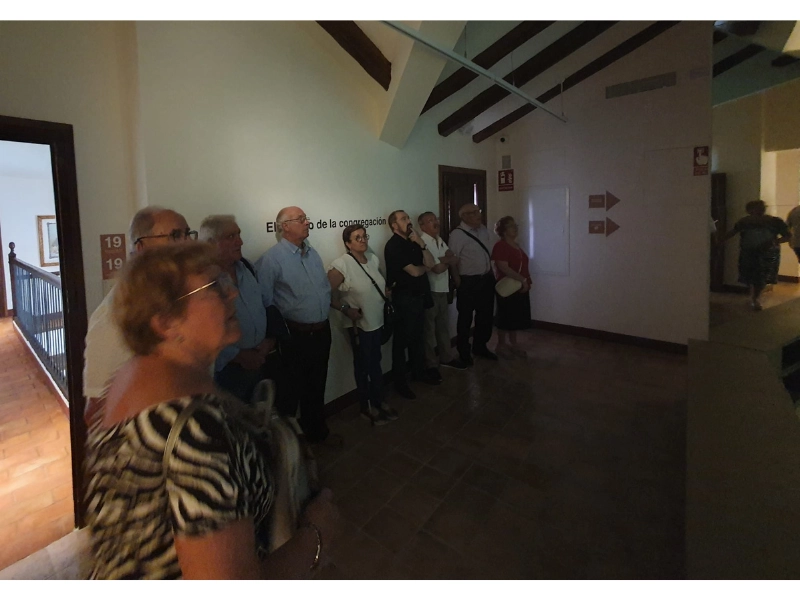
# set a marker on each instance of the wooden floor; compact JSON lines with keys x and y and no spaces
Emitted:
{"x":35,"y":463}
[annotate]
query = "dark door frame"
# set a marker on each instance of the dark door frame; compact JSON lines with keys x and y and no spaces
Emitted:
{"x":444,"y":214}
{"x":4,"y":312}
{"x":65,"y":187}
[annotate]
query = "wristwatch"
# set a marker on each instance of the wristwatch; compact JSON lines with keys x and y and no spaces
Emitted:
{"x":344,"y":307}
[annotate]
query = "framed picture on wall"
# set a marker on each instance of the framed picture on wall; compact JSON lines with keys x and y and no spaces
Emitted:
{"x":48,"y":241}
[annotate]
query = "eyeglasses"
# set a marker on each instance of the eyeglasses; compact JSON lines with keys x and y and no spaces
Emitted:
{"x":301,"y":220}
{"x":361,"y":238}
{"x":176,"y":235}
{"x":224,"y":283}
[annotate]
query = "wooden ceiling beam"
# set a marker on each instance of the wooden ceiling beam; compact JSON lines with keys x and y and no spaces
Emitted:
{"x":736,"y":58}
{"x":356,"y":43}
{"x":719,"y":36}
{"x":561,"y":48}
{"x":578,"y":76}
{"x":501,"y":48}
{"x":784,"y":60}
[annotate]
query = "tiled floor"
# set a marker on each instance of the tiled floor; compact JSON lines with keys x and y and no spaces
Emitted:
{"x":727,"y":306}
{"x":35,"y":463}
{"x":567,"y":464}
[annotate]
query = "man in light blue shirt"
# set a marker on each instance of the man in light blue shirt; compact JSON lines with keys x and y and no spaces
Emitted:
{"x":293,"y":278}
{"x":240,"y":366}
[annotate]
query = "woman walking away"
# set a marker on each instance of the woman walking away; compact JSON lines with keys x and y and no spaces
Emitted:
{"x":514,"y":310}
{"x":760,"y":236}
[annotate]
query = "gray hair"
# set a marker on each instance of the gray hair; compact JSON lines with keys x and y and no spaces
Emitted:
{"x":421,"y":218}
{"x":213,"y":225}
{"x":464,"y":208}
{"x":279,"y":220}
{"x":142,"y":224}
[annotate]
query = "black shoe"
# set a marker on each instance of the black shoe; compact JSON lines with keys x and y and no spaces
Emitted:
{"x":376,"y":417}
{"x":456,"y":363}
{"x":405,"y":391}
{"x":434,"y":373}
{"x":428,"y":377}
{"x":388,"y":412}
{"x":485,"y":353}
{"x":467,"y":360}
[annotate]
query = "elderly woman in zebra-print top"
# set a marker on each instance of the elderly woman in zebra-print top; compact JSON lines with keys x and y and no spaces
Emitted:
{"x":206,"y":516}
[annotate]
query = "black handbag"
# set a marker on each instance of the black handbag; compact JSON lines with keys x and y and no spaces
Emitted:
{"x":389,"y":314}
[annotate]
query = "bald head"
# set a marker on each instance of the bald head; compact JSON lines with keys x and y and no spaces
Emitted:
{"x":292,"y":225}
{"x":155,"y":226}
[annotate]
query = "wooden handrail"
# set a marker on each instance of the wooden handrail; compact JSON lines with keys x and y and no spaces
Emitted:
{"x":41,"y":273}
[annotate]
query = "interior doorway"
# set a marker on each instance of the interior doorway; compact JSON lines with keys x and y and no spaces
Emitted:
{"x":59,"y":138}
{"x":457,"y":187}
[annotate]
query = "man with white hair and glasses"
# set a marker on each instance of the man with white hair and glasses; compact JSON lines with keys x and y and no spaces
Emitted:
{"x":293,"y":279}
{"x":474,"y":278}
{"x":105,"y":350}
{"x":240,"y":366}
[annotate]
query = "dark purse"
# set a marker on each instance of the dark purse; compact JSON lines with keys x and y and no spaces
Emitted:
{"x":389,"y":314}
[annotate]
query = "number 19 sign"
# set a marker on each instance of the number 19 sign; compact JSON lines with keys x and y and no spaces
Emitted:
{"x":112,"y":254}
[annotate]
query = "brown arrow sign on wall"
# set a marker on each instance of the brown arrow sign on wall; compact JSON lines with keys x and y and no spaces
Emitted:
{"x":611,"y":200}
{"x":611,"y":227}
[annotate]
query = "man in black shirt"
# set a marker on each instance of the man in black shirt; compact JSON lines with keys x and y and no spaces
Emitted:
{"x":407,"y":264}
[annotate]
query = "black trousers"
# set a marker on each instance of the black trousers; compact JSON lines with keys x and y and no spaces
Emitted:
{"x":241,"y":382}
{"x":408,"y":333}
{"x":304,"y":360}
{"x":475,"y":296}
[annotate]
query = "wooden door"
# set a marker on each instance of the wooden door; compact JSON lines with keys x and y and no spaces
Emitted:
{"x":719,"y":215}
{"x":457,"y":187}
{"x":59,"y":137}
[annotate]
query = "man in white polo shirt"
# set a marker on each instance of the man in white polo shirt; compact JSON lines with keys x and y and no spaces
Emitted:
{"x":793,"y":221}
{"x":437,"y":329}
{"x":105,"y":350}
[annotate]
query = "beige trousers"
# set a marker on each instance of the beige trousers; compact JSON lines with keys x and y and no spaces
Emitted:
{"x":437,"y":332}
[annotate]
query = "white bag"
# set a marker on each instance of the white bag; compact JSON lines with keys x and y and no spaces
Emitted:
{"x":507,"y":286}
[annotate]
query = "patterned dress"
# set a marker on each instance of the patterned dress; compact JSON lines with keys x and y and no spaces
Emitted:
{"x":759,"y":256}
{"x":219,"y":473}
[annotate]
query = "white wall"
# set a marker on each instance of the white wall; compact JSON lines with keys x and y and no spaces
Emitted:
{"x":650,"y":278}
{"x":26,"y":191}
{"x":782,"y":117}
{"x":247,"y":118}
{"x":736,"y":151}
{"x":84,"y":74}
{"x":780,"y":189}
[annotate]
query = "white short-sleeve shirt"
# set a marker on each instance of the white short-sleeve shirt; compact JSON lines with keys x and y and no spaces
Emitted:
{"x":440,"y":282}
{"x":793,"y":221}
{"x":105,"y":350}
{"x":357,"y":291}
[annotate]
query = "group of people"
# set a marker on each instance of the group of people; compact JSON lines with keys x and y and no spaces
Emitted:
{"x":182,"y":341}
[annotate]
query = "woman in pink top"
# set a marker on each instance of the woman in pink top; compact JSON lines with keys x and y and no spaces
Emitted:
{"x":514,"y":311}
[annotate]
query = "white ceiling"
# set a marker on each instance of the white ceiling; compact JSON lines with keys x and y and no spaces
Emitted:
{"x":25,"y":160}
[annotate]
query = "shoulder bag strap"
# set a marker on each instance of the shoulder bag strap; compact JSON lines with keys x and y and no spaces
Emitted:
{"x":477,"y":240}
{"x":370,"y":277}
{"x":175,"y":431}
{"x":249,"y":266}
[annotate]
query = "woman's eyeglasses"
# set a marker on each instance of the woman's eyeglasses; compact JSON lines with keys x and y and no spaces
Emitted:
{"x":224,"y":283}
{"x":361,"y":238}
{"x":176,"y":235}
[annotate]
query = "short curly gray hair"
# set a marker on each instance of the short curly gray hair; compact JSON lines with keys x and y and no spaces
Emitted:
{"x":213,"y":225}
